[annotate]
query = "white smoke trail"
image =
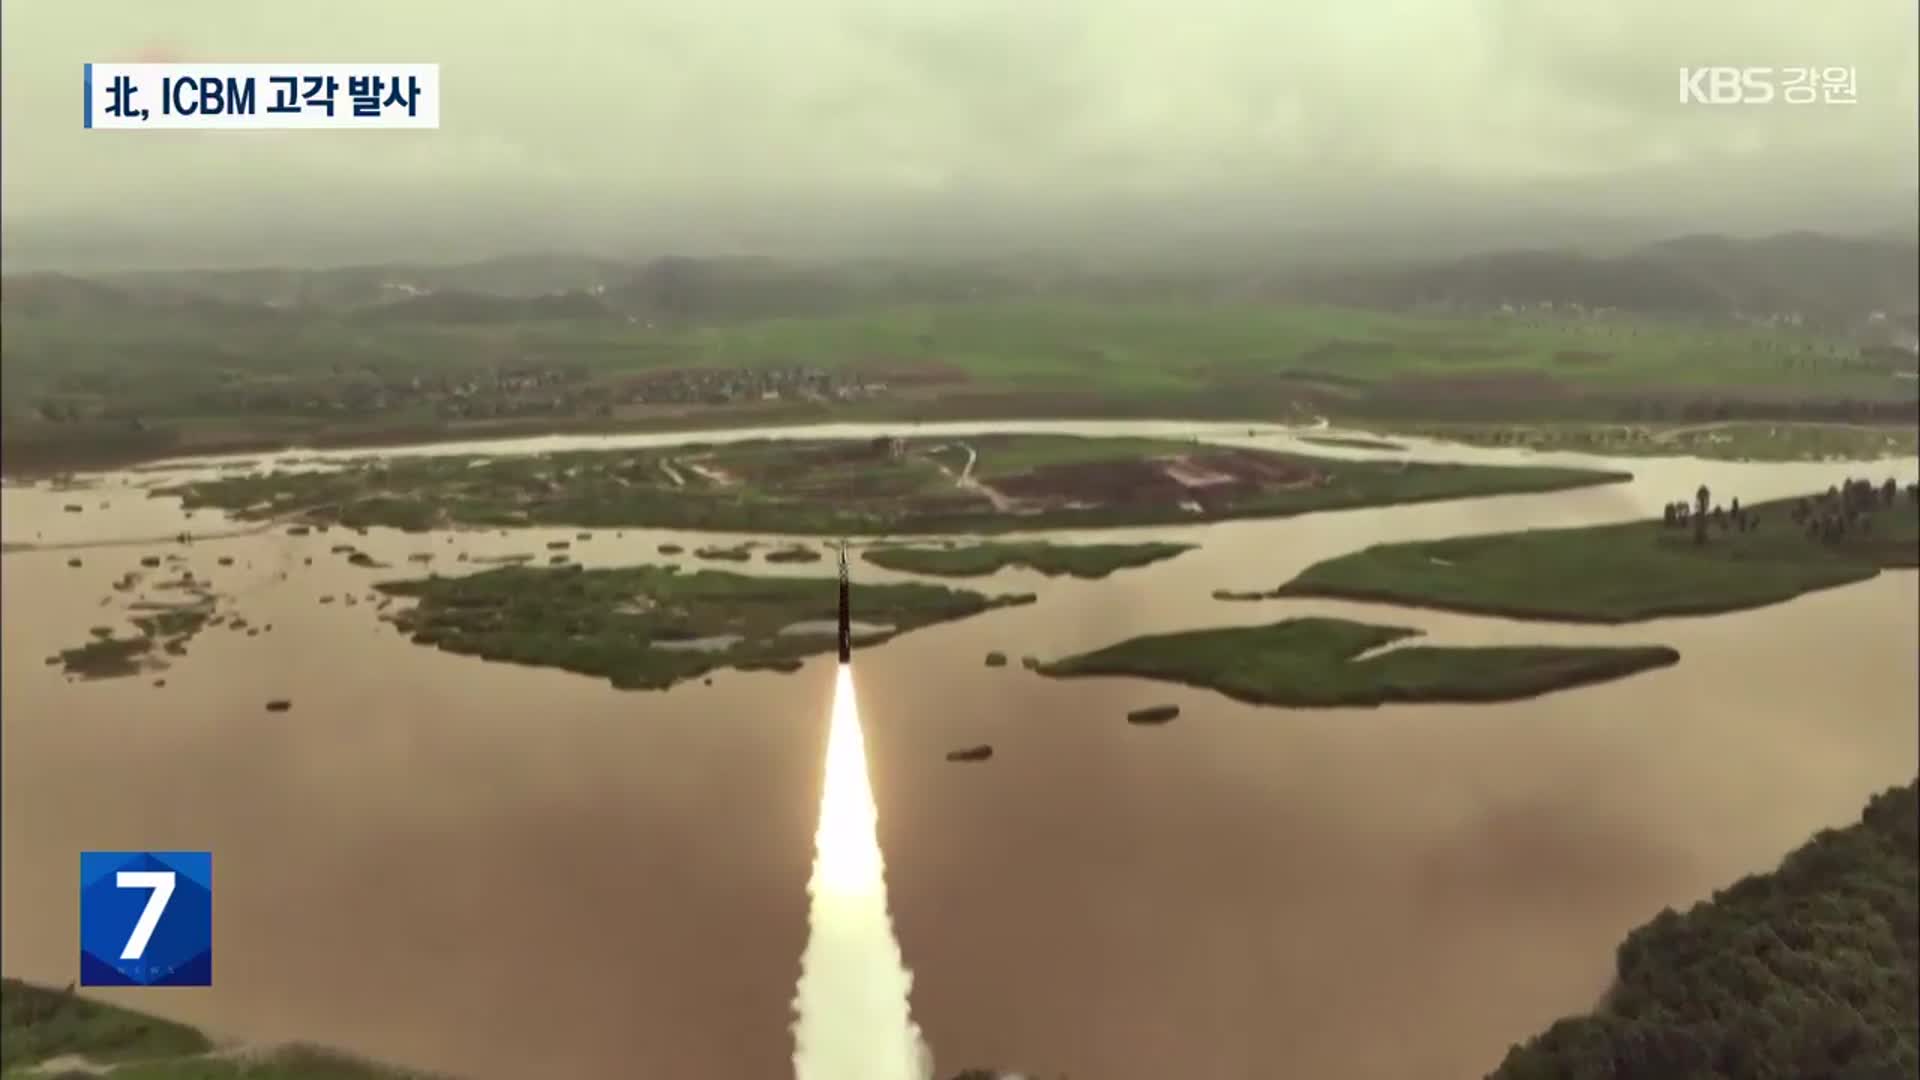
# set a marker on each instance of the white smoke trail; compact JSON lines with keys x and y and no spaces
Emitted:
{"x":853,"y":1019}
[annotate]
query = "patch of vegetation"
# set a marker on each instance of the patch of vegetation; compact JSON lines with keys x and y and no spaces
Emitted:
{"x":1728,"y":440}
{"x":1351,"y":442}
{"x":107,"y":658}
{"x":1812,"y":970}
{"x":175,"y":623}
{"x":1317,"y":663}
{"x":648,"y":627}
{"x":848,"y":487}
{"x":1153,"y":714}
{"x":735,"y":553}
{"x":976,"y":560}
{"x":795,"y":554}
{"x":163,"y":627}
{"x":1698,"y":560}
{"x":39,"y":1025}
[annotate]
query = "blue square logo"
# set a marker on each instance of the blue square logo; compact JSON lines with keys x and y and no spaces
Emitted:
{"x":146,"y":918}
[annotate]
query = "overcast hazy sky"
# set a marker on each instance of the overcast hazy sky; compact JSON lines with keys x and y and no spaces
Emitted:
{"x":562,"y":117}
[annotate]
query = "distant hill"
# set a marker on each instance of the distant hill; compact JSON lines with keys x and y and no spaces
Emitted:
{"x":350,"y":286}
{"x":63,"y":295}
{"x":1830,"y":280}
{"x":57,"y":294}
{"x":473,"y":308}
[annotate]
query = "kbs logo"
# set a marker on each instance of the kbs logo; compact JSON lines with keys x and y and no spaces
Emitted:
{"x":146,"y":918}
{"x":1765,"y":85}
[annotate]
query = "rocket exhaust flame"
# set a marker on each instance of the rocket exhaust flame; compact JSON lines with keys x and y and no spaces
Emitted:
{"x":853,"y":1018}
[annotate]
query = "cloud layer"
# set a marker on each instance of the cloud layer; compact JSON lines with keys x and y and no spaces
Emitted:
{"x":582,"y":113}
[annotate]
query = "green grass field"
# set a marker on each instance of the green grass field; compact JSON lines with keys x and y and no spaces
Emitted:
{"x":1319,"y":663}
{"x":650,"y":627}
{"x":978,"y":560}
{"x":156,"y":381}
{"x":1621,"y":573}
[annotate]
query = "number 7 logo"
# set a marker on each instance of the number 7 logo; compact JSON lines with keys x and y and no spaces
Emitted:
{"x":161,"y":882}
{"x":146,"y":918}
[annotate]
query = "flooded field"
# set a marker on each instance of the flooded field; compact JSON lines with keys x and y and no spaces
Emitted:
{"x":511,"y":872}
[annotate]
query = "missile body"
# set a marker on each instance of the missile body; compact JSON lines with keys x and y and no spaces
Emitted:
{"x":846,"y":614}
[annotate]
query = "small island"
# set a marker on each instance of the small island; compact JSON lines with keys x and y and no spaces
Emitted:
{"x":1699,"y":558}
{"x":1811,"y":970}
{"x":163,"y":628}
{"x":1320,"y":663}
{"x":794,"y":553}
{"x":41,"y":1026}
{"x":988,"y":483}
{"x":978,"y":560}
{"x":649,"y":627}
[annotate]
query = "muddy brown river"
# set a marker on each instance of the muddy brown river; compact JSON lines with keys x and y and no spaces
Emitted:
{"x":519,"y":873}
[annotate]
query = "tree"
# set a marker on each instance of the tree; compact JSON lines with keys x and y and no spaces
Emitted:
{"x":1702,"y":498}
{"x":1812,"y":970}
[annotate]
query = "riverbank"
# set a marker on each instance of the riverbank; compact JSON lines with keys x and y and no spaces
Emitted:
{"x":1810,"y":970}
{"x":1744,"y":557}
{"x":1323,"y":663}
{"x":110,"y":449}
{"x":58,"y":1033}
{"x":1726,"y":440}
{"x":1088,"y":561}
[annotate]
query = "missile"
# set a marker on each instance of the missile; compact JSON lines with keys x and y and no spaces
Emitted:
{"x":846,"y":613}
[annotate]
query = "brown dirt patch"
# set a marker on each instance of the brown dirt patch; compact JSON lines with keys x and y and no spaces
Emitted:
{"x":839,"y":452}
{"x":957,"y":502}
{"x":1250,"y":466}
{"x":1214,"y":479}
{"x":1107,"y":483}
{"x":1190,"y":474}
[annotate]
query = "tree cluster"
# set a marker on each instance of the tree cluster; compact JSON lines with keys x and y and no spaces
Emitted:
{"x":1829,"y":517}
{"x":1732,"y":517}
{"x":1811,"y":972}
{"x":1847,"y":509}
